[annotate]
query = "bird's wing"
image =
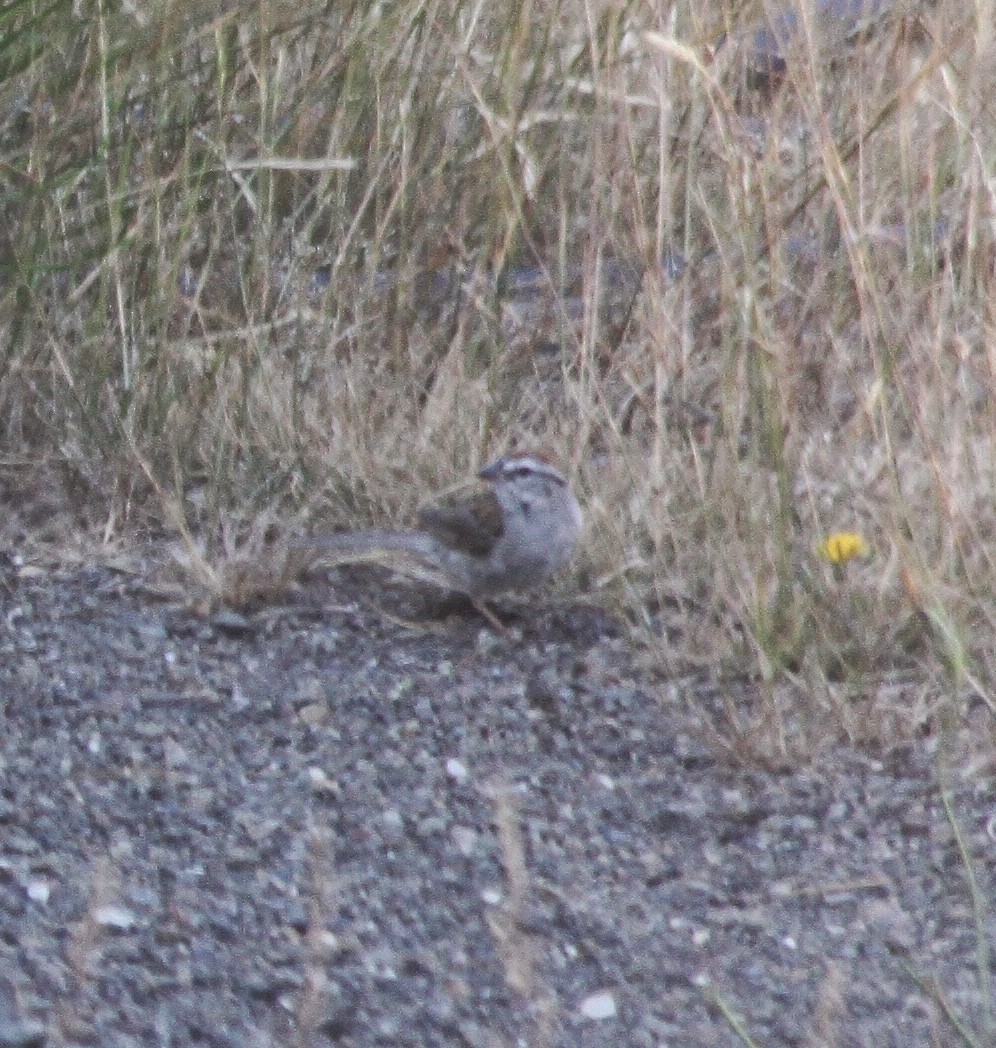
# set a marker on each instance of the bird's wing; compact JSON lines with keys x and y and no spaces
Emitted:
{"x":471,"y":524}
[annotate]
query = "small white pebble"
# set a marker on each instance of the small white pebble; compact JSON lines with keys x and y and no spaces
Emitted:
{"x":465,"y":839}
{"x":325,"y":944}
{"x":111,"y":916}
{"x":492,"y":896}
{"x":39,"y":891}
{"x":240,"y":700}
{"x":456,"y":769}
{"x":392,"y":819}
{"x":486,"y":639}
{"x":601,"y":1005}
{"x":320,"y":783}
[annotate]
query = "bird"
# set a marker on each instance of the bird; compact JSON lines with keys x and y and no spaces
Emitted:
{"x":510,"y":536}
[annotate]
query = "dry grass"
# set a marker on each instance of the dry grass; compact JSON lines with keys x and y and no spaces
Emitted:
{"x":176,"y":179}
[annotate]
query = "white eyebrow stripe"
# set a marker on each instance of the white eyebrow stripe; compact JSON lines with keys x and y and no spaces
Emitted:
{"x":524,"y":466}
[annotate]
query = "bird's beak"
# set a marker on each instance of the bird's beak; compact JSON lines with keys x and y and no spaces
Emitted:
{"x":491,"y":472}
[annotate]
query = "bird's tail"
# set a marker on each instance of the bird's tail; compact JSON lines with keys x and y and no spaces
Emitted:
{"x":411,"y":553}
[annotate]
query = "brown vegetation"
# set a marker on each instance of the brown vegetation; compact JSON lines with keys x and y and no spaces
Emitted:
{"x":267,"y":262}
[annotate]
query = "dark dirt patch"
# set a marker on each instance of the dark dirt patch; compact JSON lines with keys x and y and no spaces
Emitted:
{"x":314,"y":826}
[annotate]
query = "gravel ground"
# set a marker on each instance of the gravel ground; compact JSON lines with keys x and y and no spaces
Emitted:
{"x":316,"y":825}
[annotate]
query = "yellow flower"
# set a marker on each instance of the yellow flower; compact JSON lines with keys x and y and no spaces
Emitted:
{"x":842,"y":546}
